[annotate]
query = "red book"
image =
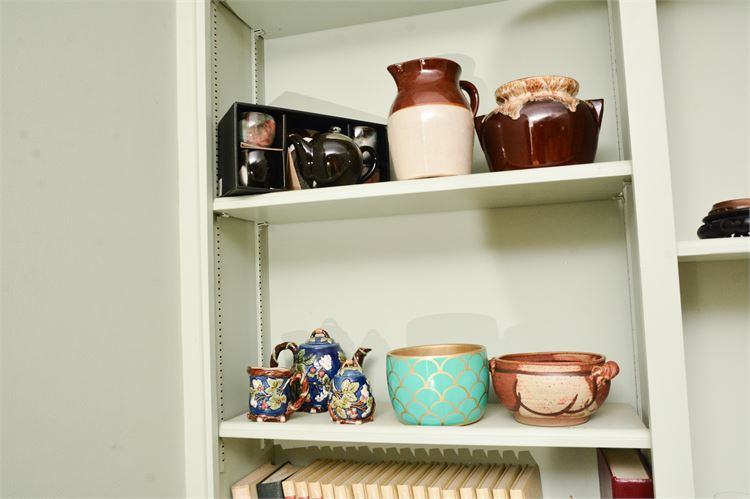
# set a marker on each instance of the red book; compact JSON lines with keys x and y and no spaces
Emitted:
{"x":624,"y":473}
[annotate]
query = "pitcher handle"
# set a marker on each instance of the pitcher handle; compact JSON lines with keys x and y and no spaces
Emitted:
{"x":287,"y":345}
{"x":373,"y":166}
{"x":470,"y":89}
{"x":303,"y":391}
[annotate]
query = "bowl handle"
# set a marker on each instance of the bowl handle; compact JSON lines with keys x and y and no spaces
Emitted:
{"x":606,"y":372}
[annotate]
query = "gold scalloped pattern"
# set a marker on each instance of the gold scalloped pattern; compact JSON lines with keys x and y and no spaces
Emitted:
{"x":448,"y":390}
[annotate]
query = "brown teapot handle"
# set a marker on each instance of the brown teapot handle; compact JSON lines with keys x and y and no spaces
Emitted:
{"x":304,"y":390}
{"x":470,"y":89}
{"x":287,"y":345}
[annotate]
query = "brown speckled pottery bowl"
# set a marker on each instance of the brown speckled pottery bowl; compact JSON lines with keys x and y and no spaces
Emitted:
{"x":552,"y":388}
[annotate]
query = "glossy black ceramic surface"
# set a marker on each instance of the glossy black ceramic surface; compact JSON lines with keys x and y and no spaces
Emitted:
{"x":254,"y":169}
{"x":331,"y":159}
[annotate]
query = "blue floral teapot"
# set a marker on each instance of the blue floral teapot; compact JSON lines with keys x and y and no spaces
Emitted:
{"x":352,"y":401}
{"x":320,"y":359}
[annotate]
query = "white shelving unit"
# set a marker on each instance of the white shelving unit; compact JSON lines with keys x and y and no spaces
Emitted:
{"x":615,"y":425}
{"x":579,"y":257}
{"x":577,"y":183}
{"x":706,"y":250}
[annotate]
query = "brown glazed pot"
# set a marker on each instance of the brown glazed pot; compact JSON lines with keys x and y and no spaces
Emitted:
{"x":539,"y":122}
{"x":552,"y":388}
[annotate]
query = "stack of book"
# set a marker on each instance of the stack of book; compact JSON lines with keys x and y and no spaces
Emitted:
{"x":331,"y":479}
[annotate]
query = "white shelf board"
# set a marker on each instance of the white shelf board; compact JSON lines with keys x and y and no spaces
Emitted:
{"x":293,"y":17}
{"x":563,"y":184}
{"x":702,"y":250}
{"x":613,"y":425}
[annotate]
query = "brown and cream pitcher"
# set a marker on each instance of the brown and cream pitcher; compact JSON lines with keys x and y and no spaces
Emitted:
{"x":431,"y":125}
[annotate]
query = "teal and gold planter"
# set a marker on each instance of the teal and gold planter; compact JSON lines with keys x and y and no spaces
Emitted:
{"x":437,"y":385}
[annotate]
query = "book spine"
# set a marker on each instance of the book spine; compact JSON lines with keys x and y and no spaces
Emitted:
{"x":273,"y":490}
{"x":301,"y":490}
{"x":403,"y":492}
{"x":373,"y":491}
{"x":616,"y":488}
{"x":241,"y":492}
{"x":500,"y":494}
{"x":287,"y":487}
{"x":327,"y":491}
{"x":359,"y":491}
{"x":419,"y":492}
{"x":387,"y":492}
{"x":641,"y":489}
{"x":316,"y":491}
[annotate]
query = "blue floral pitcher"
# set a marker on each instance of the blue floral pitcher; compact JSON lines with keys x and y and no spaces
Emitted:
{"x":320,"y":359}
{"x":352,"y":401}
{"x":275,"y":392}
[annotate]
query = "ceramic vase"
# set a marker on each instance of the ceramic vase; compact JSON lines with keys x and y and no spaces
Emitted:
{"x":438,"y":385}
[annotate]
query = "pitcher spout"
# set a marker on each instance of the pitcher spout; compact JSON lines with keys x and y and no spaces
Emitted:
{"x":396,"y":70}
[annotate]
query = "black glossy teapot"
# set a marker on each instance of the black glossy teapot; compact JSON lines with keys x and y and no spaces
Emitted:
{"x":331,"y":159}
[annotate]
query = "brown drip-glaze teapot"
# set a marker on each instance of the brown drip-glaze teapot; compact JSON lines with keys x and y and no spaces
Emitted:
{"x":539,"y":122}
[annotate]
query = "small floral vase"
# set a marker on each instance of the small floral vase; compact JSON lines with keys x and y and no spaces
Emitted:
{"x":320,"y":359}
{"x":276,"y":392}
{"x":352,"y":401}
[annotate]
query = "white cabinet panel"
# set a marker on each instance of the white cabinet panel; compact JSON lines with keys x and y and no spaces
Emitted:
{"x":716,"y":313}
{"x":90,"y":367}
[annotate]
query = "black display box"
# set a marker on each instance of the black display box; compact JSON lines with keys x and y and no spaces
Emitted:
{"x":232,"y":154}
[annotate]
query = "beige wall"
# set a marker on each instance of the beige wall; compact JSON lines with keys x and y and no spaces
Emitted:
{"x":91,"y":390}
